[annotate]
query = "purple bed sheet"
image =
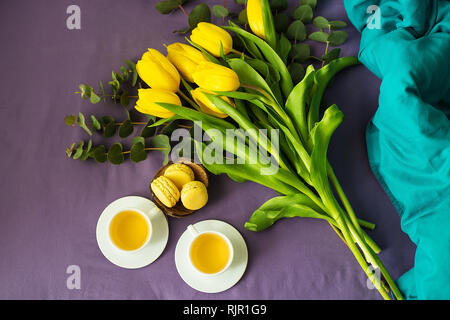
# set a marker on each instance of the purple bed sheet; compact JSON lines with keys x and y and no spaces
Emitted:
{"x":49,"y":204}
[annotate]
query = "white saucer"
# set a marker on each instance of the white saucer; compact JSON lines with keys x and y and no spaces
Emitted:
{"x":146,"y":255}
{"x":220,"y":282}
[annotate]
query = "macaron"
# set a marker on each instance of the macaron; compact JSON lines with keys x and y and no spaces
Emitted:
{"x":179,"y":174}
{"x":194,"y":195}
{"x":166,"y":191}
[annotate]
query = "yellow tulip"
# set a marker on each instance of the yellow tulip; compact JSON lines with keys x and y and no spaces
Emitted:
{"x":148,"y":98}
{"x":185,"y":58}
{"x":206,"y":105}
{"x":255,"y":17}
{"x":209,"y":36}
{"x":215,"y":77}
{"x":157,"y":71}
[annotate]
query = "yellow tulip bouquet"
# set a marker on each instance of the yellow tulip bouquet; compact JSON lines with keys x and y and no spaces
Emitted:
{"x":259,"y":88}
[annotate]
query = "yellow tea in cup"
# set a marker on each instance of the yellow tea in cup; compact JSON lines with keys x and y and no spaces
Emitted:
{"x":209,"y":253}
{"x":129,"y":230}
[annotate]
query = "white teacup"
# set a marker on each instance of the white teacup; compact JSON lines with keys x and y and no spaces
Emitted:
{"x":124,"y":227}
{"x":214,"y":246}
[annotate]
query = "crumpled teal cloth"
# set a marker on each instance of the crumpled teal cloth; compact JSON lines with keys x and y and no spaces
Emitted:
{"x":407,"y":45}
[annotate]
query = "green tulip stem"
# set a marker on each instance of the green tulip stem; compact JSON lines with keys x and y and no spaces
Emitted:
{"x":189,"y":100}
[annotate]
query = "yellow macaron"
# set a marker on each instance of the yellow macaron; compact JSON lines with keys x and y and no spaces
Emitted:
{"x":166,"y":191}
{"x":179,"y":174}
{"x":194,"y":195}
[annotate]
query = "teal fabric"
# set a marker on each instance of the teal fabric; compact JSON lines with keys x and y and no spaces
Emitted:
{"x":408,"y":139}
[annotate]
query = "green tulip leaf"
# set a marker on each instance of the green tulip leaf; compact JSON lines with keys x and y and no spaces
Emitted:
{"x":319,"y":36}
{"x":81,"y":121}
{"x":321,"y":22}
{"x":269,"y":28}
{"x":99,"y":154}
{"x":125,"y":129}
{"x":300,"y":52}
{"x":321,"y":135}
{"x":296,"y":205}
{"x":115,"y":154}
{"x":271,"y":56}
{"x":303,"y":13}
{"x":162,"y":142}
{"x":284,"y":47}
{"x":70,"y":120}
{"x":220,"y":11}
{"x":337,"y":38}
{"x":201,"y":13}
{"x":281,"y":22}
{"x":296,"y":31}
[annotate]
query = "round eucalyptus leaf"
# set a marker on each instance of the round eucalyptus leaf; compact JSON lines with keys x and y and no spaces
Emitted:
{"x":109,"y":130}
{"x":86,"y":151}
{"x":201,"y":13}
{"x":333,"y":54}
{"x":79,"y":150}
{"x":125,"y":129}
{"x":99,"y":154}
{"x":281,"y":22}
{"x":242,"y":18}
{"x":319,"y":36}
{"x":297,"y":72}
{"x":303,"y":13}
{"x":321,"y":22}
{"x":300,"y":52}
{"x":220,"y":11}
{"x":94,"y":98}
{"x":138,"y":139}
{"x":162,"y":141}
{"x":279,"y":5}
{"x":95,"y":123}
{"x":337,"y":38}
{"x":311,"y":3}
{"x":124,"y":99}
{"x":296,"y":31}
{"x":70,"y":120}
{"x":115,"y":154}
{"x":167,"y":6}
{"x":81,"y":121}
{"x":137,"y":153}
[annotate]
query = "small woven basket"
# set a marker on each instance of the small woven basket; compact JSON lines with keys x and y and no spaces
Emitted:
{"x":179,"y":211}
